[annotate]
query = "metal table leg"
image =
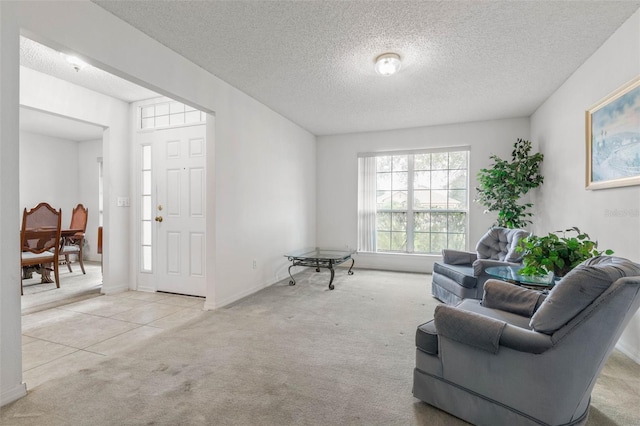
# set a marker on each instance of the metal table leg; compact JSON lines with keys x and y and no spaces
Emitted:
{"x":292,"y":281}
{"x":331,"y":286}
{"x":350,"y":272}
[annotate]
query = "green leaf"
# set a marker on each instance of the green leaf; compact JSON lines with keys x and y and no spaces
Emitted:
{"x":545,"y":252}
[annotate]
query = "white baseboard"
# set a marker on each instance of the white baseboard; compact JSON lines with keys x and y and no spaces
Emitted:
{"x":147,"y":289}
{"x":628,"y":352}
{"x":112,"y":290}
{"x":215,"y":304}
{"x":13,"y":394}
{"x":396,"y":262}
{"x":210,"y":305}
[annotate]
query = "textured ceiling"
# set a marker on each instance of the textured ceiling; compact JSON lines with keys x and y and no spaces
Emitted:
{"x":312,"y":61}
{"x":49,"y":61}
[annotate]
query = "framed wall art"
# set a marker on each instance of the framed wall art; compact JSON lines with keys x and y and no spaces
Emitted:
{"x":613,"y":139}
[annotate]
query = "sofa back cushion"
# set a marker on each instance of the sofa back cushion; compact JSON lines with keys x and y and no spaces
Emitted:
{"x":578,"y":289}
{"x":500,"y":244}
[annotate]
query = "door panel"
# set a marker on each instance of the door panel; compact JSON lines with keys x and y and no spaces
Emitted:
{"x":196,"y":197}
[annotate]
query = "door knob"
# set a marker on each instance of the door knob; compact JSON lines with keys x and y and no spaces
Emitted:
{"x":158,"y":218}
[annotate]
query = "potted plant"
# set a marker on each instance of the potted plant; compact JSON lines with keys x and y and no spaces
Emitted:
{"x":555,"y":253}
{"x":503,"y":184}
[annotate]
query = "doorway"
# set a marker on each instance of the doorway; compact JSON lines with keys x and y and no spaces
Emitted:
{"x":60,"y":163}
{"x":171,"y":142}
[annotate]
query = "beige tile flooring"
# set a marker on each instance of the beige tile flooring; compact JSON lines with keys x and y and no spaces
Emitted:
{"x":69,"y":336}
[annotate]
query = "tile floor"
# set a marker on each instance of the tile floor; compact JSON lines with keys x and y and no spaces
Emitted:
{"x":74,"y":286}
{"x":67,"y":337}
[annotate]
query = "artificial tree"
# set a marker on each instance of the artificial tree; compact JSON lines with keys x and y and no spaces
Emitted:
{"x":503,"y":185}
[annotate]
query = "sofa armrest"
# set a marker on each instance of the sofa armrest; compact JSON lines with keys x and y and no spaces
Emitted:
{"x":467,"y":327}
{"x":511,"y":298}
{"x":481,"y":265}
{"x":457,"y":257}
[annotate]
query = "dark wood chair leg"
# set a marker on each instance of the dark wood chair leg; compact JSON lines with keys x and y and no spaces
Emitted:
{"x":66,"y":258}
{"x":80,"y":256}
{"x":56,"y":274}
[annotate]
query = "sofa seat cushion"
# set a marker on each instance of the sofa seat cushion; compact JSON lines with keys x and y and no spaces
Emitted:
{"x":461,"y":274}
{"x":44,"y":257}
{"x":71,"y":249}
{"x":427,"y":338}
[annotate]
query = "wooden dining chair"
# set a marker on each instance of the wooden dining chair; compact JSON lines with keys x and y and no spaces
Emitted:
{"x":40,"y":239}
{"x":73,"y":244}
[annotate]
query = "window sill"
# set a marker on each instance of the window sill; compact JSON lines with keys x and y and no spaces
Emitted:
{"x":384,"y":253}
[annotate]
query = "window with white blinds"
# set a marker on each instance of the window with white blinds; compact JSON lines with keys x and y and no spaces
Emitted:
{"x":413,"y":202}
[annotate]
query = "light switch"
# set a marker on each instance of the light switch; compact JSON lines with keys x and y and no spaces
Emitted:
{"x":123,"y":202}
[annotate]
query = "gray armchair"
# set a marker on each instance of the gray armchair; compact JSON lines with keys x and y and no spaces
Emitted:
{"x":461,"y":274}
{"x":520,"y":358}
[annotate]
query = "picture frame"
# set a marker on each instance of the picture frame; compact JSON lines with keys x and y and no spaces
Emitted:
{"x":613,"y":139}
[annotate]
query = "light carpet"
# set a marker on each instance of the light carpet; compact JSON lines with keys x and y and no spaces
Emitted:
{"x":287,"y":355}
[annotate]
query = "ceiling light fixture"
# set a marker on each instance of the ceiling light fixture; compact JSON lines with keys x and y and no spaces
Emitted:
{"x":388,"y":64}
{"x":76,"y":62}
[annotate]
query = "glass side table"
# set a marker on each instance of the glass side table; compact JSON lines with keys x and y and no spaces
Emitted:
{"x":320,"y":258}
{"x":511,"y":274}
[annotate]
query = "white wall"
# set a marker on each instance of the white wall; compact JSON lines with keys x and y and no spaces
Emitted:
{"x":338,"y":179}
{"x":559,"y":127}
{"x":49,"y":173}
{"x":11,"y":386}
{"x":265,"y":191}
{"x":260,"y":166}
{"x":62,"y":173}
{"x":88,"y":153}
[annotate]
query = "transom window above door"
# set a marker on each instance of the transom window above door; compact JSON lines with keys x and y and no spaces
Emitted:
{"x":166,"y":114}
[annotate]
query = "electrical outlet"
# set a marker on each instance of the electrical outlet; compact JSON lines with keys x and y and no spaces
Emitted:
{"x":255,"y":264}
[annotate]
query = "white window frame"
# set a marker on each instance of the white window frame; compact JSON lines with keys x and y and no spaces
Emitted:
{"x":100,"y":191}
{"x":410,"y":210}
{"x":165,"y":113}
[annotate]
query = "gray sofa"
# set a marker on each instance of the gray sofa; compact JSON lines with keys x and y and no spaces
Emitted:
{"x":519,"y":357}
{"x":461,"y":274}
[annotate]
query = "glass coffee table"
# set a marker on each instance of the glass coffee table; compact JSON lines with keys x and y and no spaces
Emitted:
{"x":512,"y":274}
{"x":320,"y":258}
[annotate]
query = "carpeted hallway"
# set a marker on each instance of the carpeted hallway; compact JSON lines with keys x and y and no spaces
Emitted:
{"x":300,"y":355}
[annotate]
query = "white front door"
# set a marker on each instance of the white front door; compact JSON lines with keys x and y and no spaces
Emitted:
{"x":178,"y":209}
